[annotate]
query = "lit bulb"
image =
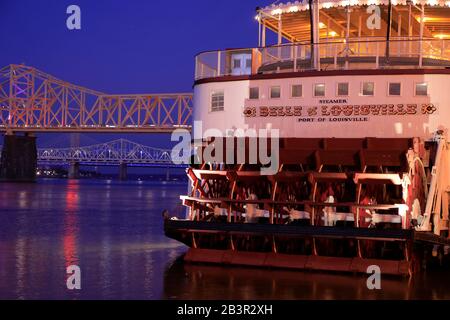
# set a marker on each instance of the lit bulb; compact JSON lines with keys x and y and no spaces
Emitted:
{"x":277,"y":12}
{"x":442,"y":36}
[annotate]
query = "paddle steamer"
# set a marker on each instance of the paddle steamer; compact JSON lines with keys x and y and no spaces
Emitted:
{"x":359,"y":92}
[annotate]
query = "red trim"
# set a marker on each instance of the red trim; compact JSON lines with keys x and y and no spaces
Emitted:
{"x":296,"y":261}
{"x":329,"y":73}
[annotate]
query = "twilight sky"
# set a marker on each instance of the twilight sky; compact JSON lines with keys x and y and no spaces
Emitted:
{"x":133,"y":46}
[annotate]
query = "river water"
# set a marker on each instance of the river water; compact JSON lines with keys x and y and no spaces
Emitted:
{"x":113,"y":231}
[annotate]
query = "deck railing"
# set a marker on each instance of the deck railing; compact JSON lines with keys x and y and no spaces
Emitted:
{"x":336,"y":54}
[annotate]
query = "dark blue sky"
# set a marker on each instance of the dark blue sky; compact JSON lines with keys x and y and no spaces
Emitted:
{"x":133,"y":46}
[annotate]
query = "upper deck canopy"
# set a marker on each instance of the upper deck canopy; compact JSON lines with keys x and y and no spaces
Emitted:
{"x":292,"y":20}
{"x":340,"y":35}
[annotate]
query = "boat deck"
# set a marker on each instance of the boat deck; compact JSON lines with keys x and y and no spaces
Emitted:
{"x":287,"y":230}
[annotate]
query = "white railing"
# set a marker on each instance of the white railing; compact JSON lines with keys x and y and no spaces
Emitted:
{"x":334,"y":54}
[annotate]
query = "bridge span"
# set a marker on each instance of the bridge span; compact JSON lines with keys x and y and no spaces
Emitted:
{"x":121,"y":152}
{"x":114,"y":152}
{"x":34,"y":101}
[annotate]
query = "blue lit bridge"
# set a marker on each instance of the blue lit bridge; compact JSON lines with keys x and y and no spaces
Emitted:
{"x":113,"y":152}
{"x":121,"y":152}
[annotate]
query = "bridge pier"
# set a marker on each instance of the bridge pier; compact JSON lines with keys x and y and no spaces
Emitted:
{"x":74,"y":170}
{"x":18,"y":160}
{"x":123,"y":171}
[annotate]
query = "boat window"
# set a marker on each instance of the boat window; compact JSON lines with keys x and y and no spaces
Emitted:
{"x":342,"y":89}
{"x":275,"y":92}
{"x":394,"y":88}
{"x":236,"y":63}
{"x":254,"y":93}
{"x":319,"y":90}
{"x":421,"y":89}
{"x":368,"y":88}
{"x":296,"y":91}
{"x":248,"y":63}
{"x":217,"y":101}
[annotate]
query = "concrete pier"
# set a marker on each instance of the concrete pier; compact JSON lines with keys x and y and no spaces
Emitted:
{"x":18,"y":160}
{"x":123,"y":171}
{"x":74,"y":170}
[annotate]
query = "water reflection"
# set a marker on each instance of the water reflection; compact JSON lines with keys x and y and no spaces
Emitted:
{"x":113,"y":231}
{"x":200,"y":281}
{"x":105,"y":270}
{"x":71,"y":224}
{"x":20,"y":267}
{"x":23,"y":200}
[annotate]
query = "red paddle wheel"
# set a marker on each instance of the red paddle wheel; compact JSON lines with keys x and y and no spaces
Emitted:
{"x":334,"y":204}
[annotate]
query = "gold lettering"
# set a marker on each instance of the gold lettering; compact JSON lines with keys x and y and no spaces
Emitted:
{"x":288,"y":112}
{"x":411,"y":108}
{"x":375,"y":109}
{"x":347,"y":110}
{"x":365,"y":110}
{"x":250,"y":112}
{"x":312,"y":111}
{"x":400,"y":109}
{"x":273,"y":111}
{"x":336,"y":110}
{"x":263,"y":111}
{"x":297,"y":111}
{"x":391,"y":110}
